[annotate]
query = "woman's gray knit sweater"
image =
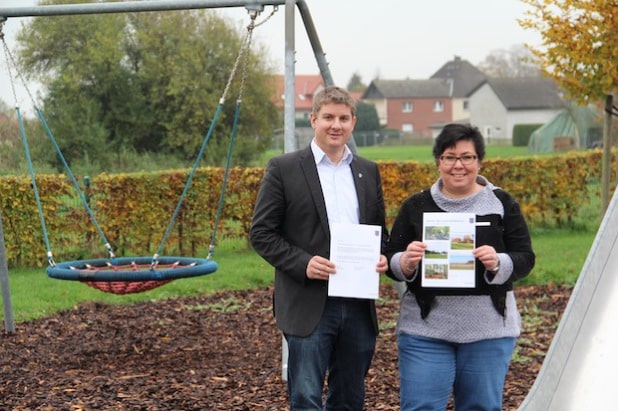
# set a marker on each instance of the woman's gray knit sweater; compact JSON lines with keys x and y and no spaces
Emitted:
{"x":462,"y":319}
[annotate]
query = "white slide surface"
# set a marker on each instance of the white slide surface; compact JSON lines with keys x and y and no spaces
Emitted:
{"x":580,"y":370}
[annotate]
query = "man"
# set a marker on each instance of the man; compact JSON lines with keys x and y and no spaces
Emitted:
{"x":300,"y":195}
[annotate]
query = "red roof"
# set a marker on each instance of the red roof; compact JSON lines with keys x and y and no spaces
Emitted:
{"x":306,"y":86}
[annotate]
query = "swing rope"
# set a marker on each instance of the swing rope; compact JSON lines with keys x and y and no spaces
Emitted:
{"x":242,"y":57}
{"x":234,"y":130}
{"x":138,"y":272}
{"x":9,"y":59}
{"x":13,"y":66}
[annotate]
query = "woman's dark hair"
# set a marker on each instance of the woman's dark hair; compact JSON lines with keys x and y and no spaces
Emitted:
{"x":453,"y":133}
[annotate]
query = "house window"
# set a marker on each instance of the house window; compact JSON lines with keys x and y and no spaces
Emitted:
{"x":407,"y":127}
{"x":407,"y":107}
{"x":438,"y":106}
{"x":466,"y":105}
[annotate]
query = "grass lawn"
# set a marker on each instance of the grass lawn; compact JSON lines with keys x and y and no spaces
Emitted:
{"x":420,"y":153}
{"x":35,"y":295}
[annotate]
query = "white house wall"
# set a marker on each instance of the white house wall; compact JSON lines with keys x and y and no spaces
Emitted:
{"x":459,"y":113}
{"x":380,"y":106}
{"x":488,"y":113}
{"x":515,"y":117}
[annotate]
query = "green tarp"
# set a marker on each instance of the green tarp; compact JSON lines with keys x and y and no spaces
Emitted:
{"x":574,"y":127}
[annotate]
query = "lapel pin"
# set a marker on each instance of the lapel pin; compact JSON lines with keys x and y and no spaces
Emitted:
{"x":360,"y":175}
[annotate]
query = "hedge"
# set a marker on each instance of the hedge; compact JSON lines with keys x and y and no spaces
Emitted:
{"x":134,"y":210}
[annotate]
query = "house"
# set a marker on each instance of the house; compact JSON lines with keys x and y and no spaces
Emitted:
{"x":498,"y":104}
{"x":424,"y":106}
{"x":410,"y":105}
{"x":306,"y":86}
{"x":459,"y":92}
{"x":463,"y":78}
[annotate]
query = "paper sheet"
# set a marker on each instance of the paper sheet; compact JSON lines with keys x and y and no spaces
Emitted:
{"x":355,"y":250}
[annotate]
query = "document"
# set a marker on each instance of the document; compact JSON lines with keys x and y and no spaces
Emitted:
{"x":448,"y":260}
{"x":355,"y":250}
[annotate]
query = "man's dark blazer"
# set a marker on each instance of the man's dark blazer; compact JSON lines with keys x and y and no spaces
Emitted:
{"x":290,"y":225}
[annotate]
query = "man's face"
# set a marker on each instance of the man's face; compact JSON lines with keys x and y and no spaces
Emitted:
{"x":333,"y":127}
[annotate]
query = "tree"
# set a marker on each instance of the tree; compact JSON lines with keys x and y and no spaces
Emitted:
{"x":580,"y":47}
{"x":518,"y":61}
{"x":367,"y":125}
{"x":356,"y":83}
{"x":579,"y":51}
{"x":147,"y":82}
{"x":367,"y":117}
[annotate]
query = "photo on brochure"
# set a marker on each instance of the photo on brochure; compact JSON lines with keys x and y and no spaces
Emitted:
{"x":448,"y":260}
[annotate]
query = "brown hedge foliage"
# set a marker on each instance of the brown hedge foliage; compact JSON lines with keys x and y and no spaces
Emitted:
{"x":133,"y":211}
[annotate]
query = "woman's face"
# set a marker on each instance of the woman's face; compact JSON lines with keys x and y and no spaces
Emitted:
{"x":459,"y":167}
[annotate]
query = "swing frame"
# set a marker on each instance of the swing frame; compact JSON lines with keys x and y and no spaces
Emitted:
{"x":162,"y":5}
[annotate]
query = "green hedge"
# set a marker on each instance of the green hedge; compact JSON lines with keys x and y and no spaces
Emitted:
{"x":134,"y":210}
{"x":522,"y":133}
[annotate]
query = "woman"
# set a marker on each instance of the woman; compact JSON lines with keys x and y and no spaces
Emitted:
{"x":454,"y":339}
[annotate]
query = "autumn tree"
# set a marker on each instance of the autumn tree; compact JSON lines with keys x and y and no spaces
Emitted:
{"x":579,"y":44}
{"x":517,"y":61}
{"x":147,"y":82}
{"x":580,"y":52}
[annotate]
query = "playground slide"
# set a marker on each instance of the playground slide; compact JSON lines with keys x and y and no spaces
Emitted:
{"x":580,"y":370}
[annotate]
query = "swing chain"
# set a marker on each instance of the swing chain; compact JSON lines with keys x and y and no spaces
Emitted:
{"x":10,"y":62}
{"x":50,"y":259}
{"x":246,"y":42}
{"x":12,"y":65}
{"x":272,"y":13}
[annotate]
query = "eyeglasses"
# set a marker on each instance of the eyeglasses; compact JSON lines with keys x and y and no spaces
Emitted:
{"x":451,"y":160}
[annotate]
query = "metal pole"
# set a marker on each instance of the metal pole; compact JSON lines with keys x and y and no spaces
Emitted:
{"x":607,"y":153}
{"x":9,"y":322}
{"x":319,"y":54}
{"x":312,"y":34}
{"x":289,"y":123}
{"x":289,"y":108}
{"x":129,"y":6}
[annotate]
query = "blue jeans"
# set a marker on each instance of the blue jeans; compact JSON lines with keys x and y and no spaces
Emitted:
{"x":342,"y":343}
{"x":430,"y":369}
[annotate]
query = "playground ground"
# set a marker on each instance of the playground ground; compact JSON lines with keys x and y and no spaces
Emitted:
{"x":218,"y":352}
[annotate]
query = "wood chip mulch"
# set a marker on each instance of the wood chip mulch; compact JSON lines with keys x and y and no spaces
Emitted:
{"x":216,"y":352}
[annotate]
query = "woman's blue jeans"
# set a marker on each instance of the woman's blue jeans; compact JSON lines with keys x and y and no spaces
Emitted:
{"x":343,"y":343}
{"x":430,"y":369}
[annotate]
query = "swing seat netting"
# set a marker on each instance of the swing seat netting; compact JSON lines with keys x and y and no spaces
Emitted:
{"x":125,"y":275}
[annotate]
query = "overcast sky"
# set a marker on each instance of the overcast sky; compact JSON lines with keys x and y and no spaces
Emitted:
{"x":395,"y":39}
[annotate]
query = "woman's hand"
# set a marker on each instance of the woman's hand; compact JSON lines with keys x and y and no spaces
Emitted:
{"x":488,"y":256}
{"x":411,"y":257}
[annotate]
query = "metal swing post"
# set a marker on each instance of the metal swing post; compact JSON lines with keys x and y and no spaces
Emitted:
{"x":9,"y":322}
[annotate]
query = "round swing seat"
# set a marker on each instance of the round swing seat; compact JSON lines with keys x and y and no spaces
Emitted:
{"x":125,"y":275}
